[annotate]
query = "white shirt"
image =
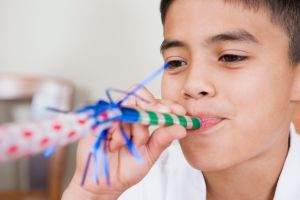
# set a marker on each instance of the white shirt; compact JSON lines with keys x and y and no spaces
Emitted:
{"x":172,"y":178}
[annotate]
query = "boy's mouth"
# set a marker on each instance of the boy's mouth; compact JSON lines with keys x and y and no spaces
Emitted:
{"x":208,"y":121}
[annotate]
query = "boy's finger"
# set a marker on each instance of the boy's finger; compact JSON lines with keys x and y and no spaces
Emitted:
{"x":167,"y":106}
{"x":135,"y":101}
{"x":140,"y":135}
{"x":158,"y":107}
{"x":147,"y":95}
{"x":162,"y":138}
{"x":174,"y":107}
{"x":117,"y":139}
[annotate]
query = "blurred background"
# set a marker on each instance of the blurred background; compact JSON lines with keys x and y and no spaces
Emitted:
{"x":64,"y":53}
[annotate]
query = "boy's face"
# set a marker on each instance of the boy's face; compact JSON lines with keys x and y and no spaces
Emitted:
{"x":231,"y":65}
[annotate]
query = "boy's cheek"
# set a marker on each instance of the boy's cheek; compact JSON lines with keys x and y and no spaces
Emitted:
{"x":236,"y":144}
{"x":171,"y":89}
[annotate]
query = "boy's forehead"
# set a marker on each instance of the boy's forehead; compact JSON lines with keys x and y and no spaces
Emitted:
{"x":202,"y":11}
{"x":214,"y":18}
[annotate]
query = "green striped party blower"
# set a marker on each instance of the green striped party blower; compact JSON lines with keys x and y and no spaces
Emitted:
{"x":131,"y":115}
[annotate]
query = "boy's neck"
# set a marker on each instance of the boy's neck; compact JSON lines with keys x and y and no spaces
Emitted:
{"x":254,"y":179}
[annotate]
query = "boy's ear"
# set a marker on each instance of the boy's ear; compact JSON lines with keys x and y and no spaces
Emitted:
{"x":296,"y":84}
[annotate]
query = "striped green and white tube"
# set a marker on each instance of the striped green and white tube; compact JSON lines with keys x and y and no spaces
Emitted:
{"x":131,"y":115}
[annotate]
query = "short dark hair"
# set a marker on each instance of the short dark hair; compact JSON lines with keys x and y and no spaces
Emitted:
{"x":285,"y":13}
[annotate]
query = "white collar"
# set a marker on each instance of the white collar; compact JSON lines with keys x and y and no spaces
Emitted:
{"x":288,"y":186}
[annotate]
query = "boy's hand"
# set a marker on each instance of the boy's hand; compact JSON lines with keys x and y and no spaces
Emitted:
{"x":125,"y":171}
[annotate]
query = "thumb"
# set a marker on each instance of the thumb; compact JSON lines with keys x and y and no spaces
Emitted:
{"x":162,"y":138}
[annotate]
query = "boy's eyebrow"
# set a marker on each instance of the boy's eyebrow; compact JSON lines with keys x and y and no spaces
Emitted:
{"x":166,"y":44}
{"x":238,"y":35}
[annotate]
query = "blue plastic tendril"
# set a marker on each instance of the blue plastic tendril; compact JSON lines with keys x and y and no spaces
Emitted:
{"x":86,"y":168}
{"x":145,"y":82}
{"x":122,"y":92}
{"x":50,"y":151}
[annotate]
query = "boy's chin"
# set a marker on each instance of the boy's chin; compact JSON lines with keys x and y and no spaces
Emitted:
{"x":210,"y":163}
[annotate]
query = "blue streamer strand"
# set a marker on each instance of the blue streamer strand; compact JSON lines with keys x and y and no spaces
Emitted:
{"x":49,"y":152}
{"x":146,"y":81}
{"x":86,"y":168}
{"x":96,"y":153}
{"x":107,"y":91}
{"x":96,"y":175}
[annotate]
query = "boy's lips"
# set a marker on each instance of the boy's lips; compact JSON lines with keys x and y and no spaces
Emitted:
{"x":208,"y":121}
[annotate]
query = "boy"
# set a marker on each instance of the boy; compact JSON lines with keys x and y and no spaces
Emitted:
{"x":235,"y":65}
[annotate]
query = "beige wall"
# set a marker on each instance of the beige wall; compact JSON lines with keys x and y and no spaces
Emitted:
{"x":95,"y":43}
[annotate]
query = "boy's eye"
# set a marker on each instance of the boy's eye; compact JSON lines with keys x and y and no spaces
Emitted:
{"x":232,"y":58}
{"x":173,"y":64}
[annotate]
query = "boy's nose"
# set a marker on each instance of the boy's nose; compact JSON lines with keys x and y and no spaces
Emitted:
{"x":198,"y":84}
